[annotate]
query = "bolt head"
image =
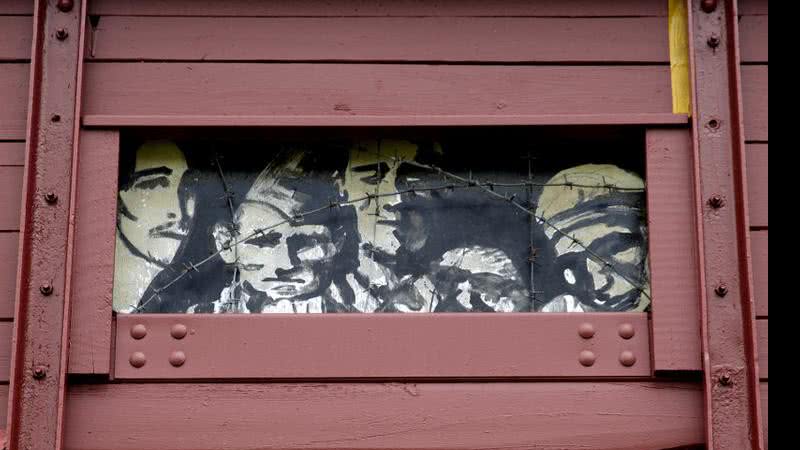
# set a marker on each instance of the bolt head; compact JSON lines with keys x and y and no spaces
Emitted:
{"x":61,"y":34}
{"x":725,"y":379}
{"x":50,"y":197}
{"x":137,"y":359}
{"x":716,"y":201}
{"x":178,"y":331}
{"x":55,"y":118}
{"x":721,"y":290}
{"x":708,"y":6}
{"x":46,"y":289}
{"x":138,"y":331}
{"x":626,"y":331}
{"x":627,"y":358}
{"x":587,"y":358}
{"x":586,"y":330}
{"x":177,"y":358}
{"x":65,"y":5}
{"x":713,"y":41}
{"x":39,"y":372}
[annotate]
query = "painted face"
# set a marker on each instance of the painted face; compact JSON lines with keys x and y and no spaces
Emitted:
{"x":480,"y":279}
{"x":285,"y":262}
{"x":371,"y":170}
{"x":152,"y":219}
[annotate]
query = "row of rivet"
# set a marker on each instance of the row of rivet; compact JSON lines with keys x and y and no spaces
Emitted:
{"x":176,"y":358}
{"x":587,"y":358}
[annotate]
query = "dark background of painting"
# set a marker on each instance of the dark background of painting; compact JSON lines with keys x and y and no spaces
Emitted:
{"x":453,"y":217}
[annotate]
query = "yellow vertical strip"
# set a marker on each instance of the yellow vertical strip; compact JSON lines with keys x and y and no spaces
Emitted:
{"x":679,"y":57}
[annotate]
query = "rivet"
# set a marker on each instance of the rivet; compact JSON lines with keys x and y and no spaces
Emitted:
{"x":61,"y":34}
{"x":626,"y":331}
{"x":627,"y":358}
{"x":587,"y":358}
{"x":716,"y":201}
{"x":137,"y":359}
{"x":708,"y":6}
{"x":55,"y":118}
{"x":586,"y":330}
{"x":713,"y":124}
{"x":46,"y":289}
{"x":713,"y":41}
{"x":725,"y":379}
{"x":178,"y":331}
{"x":138,"y":331}
{"x":721,"y":290}
{"x":177,"y":358}
{"x":65,"y":5}
{"x":50,"y":197}
{"x":39,"y":372}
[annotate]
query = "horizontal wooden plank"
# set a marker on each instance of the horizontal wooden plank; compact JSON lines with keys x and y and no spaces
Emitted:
{"x":754,"y":39}
{"x":326,"y":8}
{"x":759,"y":249}
{"x":6,"y":329}
{"x":491,"y":39}
{"x":9,"y":245}
{"x":93,"y":271}
{"x":10,"y":197}
{"x":16,"y":7}
{"x":673,"y":250}
{"x":15,"y":37}
{"x":753,"y":7}
{"x":331,"y":94}
{"x":755,"y":102}
{"x":553,"y":415}
{"x":12,"y":153}
{"x":13,"y":108}
{"x":765,"y":412}
{"x":762,"y":328}
{"x":282,"y":346}
{"x":758,"y":183}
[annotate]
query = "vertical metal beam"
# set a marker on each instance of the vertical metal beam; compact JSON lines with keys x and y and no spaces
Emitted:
{"x":39,"y":349}
{"x":733,"y":418}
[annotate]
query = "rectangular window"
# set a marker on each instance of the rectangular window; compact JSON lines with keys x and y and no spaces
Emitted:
{"x":447,"y":219}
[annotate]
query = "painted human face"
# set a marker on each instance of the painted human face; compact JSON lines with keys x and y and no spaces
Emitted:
{"x":372,"y":169}
{"x":481,"y":279}
{"x":288,"y":261}
{"x":152,"y":219}
{"x":608,"y":276}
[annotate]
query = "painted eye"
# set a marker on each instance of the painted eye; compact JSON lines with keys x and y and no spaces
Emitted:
{"x":268,"y":240}
{"x":152,"y":182}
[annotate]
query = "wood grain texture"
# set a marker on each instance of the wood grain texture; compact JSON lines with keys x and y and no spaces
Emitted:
{"x":438,"y":39}
{"x":10,"y":197}
{"x":755,"y":102}
{"x":93,"y":269}
{"x":759,"y":251}
{"x":758,"y":184}
{"x":9,"y":245}
{"x":765,"y":411}
{"x":349,"y":346}
{"x":15,"y":38}
{"x":6,"y":329}
{"x":14,"y":106}
{"x":344,"y":93}
{"x":673,"y":250}
{"x":762,"y":329}
{"x":326,"y":8}
{"x":754,"y":39}
{"x":16,"y":7}
{"x":554,"y":415}
{"x":12,"y":153}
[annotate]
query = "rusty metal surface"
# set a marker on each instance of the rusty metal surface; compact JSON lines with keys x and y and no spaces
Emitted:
{"x":39,"y":352}
{"x":727,"y":312}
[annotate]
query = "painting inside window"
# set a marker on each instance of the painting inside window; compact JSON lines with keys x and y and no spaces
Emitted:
{"x":405,"y":221}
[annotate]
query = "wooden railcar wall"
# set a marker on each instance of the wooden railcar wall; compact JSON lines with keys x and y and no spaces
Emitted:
{"x":159,"y":40}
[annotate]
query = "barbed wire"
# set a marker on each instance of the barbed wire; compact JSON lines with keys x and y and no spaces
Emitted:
{"x":459,"y":182}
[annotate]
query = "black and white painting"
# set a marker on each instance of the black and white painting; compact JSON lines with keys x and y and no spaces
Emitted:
{"x":488,"y":222}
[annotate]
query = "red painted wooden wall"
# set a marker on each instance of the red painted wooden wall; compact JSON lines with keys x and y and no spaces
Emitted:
{"x":145,"y":53}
